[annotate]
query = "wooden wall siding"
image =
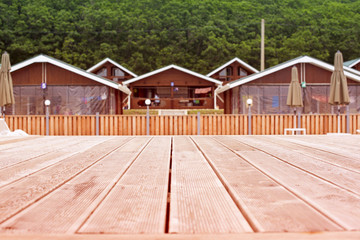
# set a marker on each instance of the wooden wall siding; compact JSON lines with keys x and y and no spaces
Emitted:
{"x":32,"y":75}
{"x":179,"y":125}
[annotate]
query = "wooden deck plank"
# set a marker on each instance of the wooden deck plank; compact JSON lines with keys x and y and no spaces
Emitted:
{"x":13,"y":153}
{"x":309,"y":160}
{"x":199,"y":202}
{"x":137,"y":204}
{"x":344,"y":156}
{"x":303,"y":184}
{"x":67,"y":207}
{"x":21,"y":194}
{"x":335,"y":140}
{"x":14,"y":139}
{"x":239,"y":236}
{"x":332,"y":201}
{"x":265,"y":202}
{"x":32,"y":165}
{"x":347,"y":146}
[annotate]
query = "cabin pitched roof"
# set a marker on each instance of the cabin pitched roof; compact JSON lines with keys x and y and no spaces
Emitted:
{"x":349,"y":73}
{"x":230,"y":62}
{"x":172,"y":67}
{"x":352,"y":63}
{"x":112,"y":62}
{"x":44,"y":58}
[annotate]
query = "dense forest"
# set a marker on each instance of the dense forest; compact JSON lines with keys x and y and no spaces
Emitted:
{"x":200,"y":35}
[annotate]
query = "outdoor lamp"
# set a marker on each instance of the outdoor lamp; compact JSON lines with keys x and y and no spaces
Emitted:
{"x":249,"y":102}
{"x":47,"y":104}
{"x":147,"y":102}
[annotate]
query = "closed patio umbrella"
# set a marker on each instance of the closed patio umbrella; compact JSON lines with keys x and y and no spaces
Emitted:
{"x":294,"y":97}
{"x":339,"y":93}
{"x":6,"y":86}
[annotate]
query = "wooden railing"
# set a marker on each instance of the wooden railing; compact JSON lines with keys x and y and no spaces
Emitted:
{"x":174,"y":103}
{"x":179,"y":125}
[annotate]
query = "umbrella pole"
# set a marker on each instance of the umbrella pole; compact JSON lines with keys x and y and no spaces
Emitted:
{"x":338,"y":118}
{"x":295,"y":117}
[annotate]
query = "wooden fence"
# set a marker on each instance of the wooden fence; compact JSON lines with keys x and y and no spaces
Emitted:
{"x":179,"y":125}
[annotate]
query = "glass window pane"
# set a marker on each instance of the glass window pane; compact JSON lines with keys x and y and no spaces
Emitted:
{"x":242,"y":72}
{"x":180,"y":92}
{"x":163,"y":92}
{"x":102,"y":72}
{"x":222,"y":73}
{"x":271,"y":99}
{"x":284,"y":108}
{"x":28,"y":99}
{"x":354,"y":99}
{"x":117,"y":72}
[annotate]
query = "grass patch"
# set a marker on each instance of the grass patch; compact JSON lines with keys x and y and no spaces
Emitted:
{"x":206,"y":111}
{"x":140,"y":112}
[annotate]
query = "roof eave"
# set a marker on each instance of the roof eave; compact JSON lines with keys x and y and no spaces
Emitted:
{"x":112,"y":62}
{"x":46,"y":59}
{"x":217,"y":82}
{"x":230,"y":62}
{"x":302,"y":59}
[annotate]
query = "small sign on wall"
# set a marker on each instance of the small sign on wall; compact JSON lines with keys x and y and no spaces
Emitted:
{"x":43,"y":85}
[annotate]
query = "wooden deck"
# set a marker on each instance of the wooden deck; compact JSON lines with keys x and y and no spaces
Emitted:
{"x":181,"y":187}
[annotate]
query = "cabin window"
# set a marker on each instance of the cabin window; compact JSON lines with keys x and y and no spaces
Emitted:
{"x":222,"y":73}
{"x":117,"y":72}
{"x":102,"y":72}
{"x":225,"y":73}
{"x":242,"y":72}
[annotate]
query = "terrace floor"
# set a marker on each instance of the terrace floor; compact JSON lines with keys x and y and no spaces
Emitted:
{"x":180,"y":187}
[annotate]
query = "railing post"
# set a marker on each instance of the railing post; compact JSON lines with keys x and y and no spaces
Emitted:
{"x":347,"y":119}
{"x":47,"y":120}
{"x":249,"y":120}
{"x":198,"y":123}
{"x":147,"y":121}
{"x":97,"y":123}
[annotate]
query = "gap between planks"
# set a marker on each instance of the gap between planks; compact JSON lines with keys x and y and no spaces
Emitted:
{"x":254,"y":224}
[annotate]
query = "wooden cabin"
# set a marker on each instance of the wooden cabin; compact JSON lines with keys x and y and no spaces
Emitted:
{"x":71,"y":91}
{"x":228,"y":72}
{"x":268,"y":89}
{"x":115,"y":72}
{"x":172,"y":87}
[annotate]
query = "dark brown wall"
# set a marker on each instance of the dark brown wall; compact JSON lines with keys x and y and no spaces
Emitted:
{"x":32,"y":75}
{"x":227,"y":102}
{"x":172,"y":75}
{"x":356,"y":66}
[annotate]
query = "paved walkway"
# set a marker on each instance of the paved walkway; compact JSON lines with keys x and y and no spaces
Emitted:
{"x":257,"y":187}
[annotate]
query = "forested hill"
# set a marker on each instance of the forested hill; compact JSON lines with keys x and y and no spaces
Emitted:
{"x":144,"y":35}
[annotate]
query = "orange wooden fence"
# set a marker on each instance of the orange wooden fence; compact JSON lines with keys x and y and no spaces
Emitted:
{"x":179,"y":125}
